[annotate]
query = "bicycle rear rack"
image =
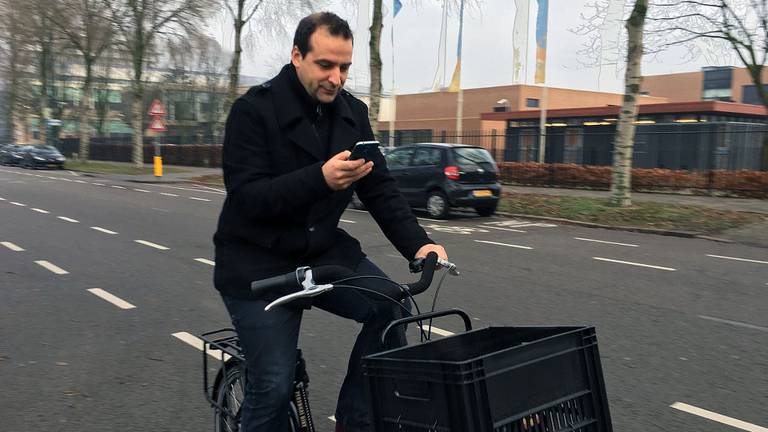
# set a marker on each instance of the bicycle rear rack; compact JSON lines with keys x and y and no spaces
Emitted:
{"x":224,"y":345}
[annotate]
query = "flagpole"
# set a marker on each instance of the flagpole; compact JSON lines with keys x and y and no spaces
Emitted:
{"x":460,"y":96}
{"x":394,"y":93}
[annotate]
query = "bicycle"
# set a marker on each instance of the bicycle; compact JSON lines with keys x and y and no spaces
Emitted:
{"x":226,"y":392}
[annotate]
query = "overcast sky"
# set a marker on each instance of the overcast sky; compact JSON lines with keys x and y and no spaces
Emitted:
{"x":487,"y":50}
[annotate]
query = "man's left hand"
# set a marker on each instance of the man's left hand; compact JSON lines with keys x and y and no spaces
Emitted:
{"x":439,"y":250}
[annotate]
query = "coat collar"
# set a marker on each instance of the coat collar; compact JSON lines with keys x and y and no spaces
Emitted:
{"x":291,"y":110}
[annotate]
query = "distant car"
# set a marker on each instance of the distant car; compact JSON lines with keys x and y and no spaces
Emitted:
{"x":11,"y":154}
{"x":441,"y":176}
{"x":42,"y":157}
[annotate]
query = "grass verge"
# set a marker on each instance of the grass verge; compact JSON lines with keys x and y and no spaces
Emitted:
{"x":115,"y":168}
{"x":596,"y":210}
{"x":641,"y":214}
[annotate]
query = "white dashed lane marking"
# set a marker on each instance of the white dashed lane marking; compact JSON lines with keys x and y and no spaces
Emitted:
{"x":117,"y":187}
{"x":198,"y":343}
{"x":205,"y":261}
{"x":51,"y":267}
{"x":347,"y":221}
{"x":152,"y":245}
{"x":738,"y":259}
{"x":605,"y":242}
{"x":142,"y":190}
{"x":634,"y":264}
{"x":18,"y":204}
{"x":734,"y":323}
{"x":710,"y":415}
{"x":436,"y":330}
{"x":504,"y":244}
{"x":104,"y":230}
{"x":117,"y":301}
{"x":168,"y":194}
{"x":200,"y":199}
{"x":12,"y":246}
{"x":68,"y":219}
{"x":40,"y":210}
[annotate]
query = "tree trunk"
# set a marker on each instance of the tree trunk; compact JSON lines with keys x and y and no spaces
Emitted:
{"x":137,"y":112}
{"x":621,"y":177}
{"x":85,"y":111}
{"x":234,"y":68}
{"x":375,"y":61}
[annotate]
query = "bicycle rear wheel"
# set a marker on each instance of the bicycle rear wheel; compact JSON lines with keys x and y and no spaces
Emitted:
{"x":230,"y":394}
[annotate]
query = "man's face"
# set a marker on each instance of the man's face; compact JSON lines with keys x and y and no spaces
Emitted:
{"x":323,"y":71}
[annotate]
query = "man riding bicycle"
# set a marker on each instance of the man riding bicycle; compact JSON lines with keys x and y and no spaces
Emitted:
{"x":288,"y":181}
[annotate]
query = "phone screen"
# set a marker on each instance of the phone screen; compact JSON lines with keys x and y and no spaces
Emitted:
{"x":364,"y":150}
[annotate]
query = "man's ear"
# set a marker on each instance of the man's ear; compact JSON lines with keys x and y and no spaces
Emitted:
{"x":296,"y":56}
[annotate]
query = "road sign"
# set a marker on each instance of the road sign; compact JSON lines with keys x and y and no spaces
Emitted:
{"x":157,"y":125}
{"x":157,"y":109}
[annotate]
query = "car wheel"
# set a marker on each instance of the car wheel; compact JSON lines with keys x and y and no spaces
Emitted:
{"x":437,"y":205}
{"x":486,"y":210}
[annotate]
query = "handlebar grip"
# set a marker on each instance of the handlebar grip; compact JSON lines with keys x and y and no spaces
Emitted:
{"x":263,"y":286}
{"x":428,"y":270}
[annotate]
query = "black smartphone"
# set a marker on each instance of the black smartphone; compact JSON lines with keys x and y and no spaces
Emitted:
{"x":364,"y":150}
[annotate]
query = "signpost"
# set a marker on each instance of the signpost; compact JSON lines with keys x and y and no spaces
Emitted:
{"x":157,"y":111}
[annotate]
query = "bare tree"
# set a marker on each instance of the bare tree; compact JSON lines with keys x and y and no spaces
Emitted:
{"x":273,"y":17}
{"x":14,"y":41}
{"x":83,"y":24}
{"x":741,"y":25}
{"x":621,"y":178}
{"x":140,"y":24}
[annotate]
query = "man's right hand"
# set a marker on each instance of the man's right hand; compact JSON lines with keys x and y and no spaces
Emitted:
{"x":340,"y":173}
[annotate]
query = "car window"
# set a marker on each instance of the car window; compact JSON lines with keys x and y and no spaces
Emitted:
{"x":399,"y":158}
{"x":427,"y":156}
{"x":473,"y":158}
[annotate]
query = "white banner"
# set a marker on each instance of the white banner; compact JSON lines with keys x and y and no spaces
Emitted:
{"x":520,"y":41}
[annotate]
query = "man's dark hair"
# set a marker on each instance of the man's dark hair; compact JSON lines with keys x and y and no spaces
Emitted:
{"x":336,"y":26}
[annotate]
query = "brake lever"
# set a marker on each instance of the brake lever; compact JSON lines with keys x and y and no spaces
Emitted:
{"x":417,"y":265}
{"x":310,"y":289}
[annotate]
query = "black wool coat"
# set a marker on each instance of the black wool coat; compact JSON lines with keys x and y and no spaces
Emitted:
{"x":279,"y":212}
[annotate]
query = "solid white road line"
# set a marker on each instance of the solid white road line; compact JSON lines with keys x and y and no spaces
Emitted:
{"x":68,"y":219}
{"x":104,"y":230}
{"x":18,"y":204}
{"x":51,"y":267}
{"x":142,"y":190}
{"x":738,"y":259}
{"x":12,"y":246}
{"x":198,"y":343}
{"x":205,"y":261}
{"x":501,"y":228}
{"x":436,"y":330}
{"x":168,"y":194}
{"x":117,"y":301}
{"x":504,"y":244}
{"x":634,"y":264}
{"x":40,"y":210}
{"x":199,"y":199}
{"x":736,"y":323}
{"x":347,"y":221}
{"x":150,"y":244}
{"x":730,"y":421}
{"x":605,"y":242}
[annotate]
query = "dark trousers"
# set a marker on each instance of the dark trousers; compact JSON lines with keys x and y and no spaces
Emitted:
{"x":269,"y":343}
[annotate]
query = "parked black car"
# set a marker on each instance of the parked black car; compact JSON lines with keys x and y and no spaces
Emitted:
{"x":11,"y":154}
{"x":42,"y":157}
{"x":440,"y":176}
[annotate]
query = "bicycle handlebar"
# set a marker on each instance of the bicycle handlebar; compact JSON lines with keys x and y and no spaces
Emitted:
{"x":302,"y":281}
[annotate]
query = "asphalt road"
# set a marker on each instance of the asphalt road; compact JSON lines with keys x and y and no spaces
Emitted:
{"x":682,"y":323}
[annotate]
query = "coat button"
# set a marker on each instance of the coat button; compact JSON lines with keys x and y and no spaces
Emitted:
{"x":311,"y":229}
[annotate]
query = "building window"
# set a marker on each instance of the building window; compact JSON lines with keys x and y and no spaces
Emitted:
{"x":717,"y":84}
{"x":531,"y":103}
{"x":749,"y":94}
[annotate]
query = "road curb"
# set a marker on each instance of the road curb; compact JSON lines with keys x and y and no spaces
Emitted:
{"x":672,"y":233}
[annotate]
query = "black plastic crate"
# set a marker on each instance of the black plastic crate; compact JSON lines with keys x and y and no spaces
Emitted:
{"x":498,"y":379}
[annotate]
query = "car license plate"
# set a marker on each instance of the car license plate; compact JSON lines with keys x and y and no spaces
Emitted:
{"x":482,"y":193}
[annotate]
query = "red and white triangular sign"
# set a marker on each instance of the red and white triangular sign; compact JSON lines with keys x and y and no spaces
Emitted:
{"x":157,"y":125}
{"x":157,"y":108}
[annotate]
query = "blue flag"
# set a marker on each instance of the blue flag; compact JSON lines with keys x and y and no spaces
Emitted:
{"x":397,"y":6}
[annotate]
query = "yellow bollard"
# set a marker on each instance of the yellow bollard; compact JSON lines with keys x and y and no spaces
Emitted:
{"x":158,"y":166}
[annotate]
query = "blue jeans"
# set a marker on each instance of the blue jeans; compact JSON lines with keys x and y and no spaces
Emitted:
{"x":269,"y":343}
